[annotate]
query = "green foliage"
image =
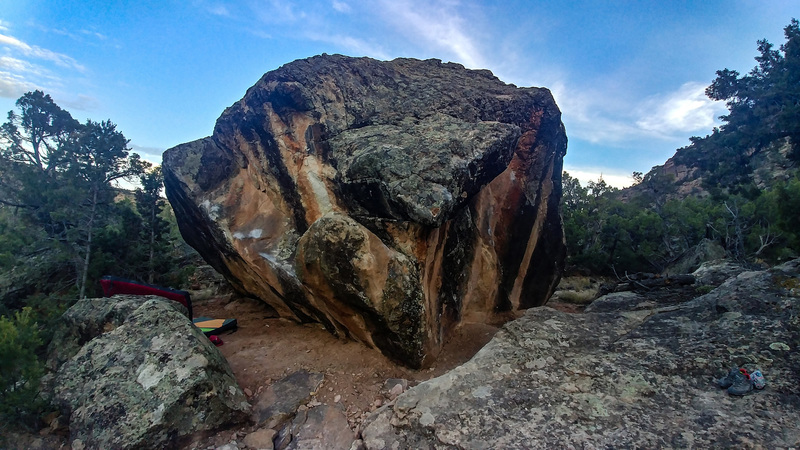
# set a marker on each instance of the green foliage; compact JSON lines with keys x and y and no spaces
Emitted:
{"x":653,"y":227}
{"x":21,"y":370}
{"x":154,"y":231}
{"x":61,"y":207}
{"x":605,"y":234}
{"x":63,"y":225}
{"x":704,"y":289}
{"x":764,"y":108}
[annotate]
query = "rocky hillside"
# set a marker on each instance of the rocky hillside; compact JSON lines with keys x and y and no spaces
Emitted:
{"x":699,"y":170}
{"x":758,"y":144}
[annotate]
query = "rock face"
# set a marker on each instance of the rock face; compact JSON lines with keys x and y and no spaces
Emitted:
{"x":143,"y":376}
{"x":388,"y":201}
{"x":642,"y":378}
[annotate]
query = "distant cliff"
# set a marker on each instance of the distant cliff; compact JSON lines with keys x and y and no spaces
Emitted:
{"x":701,"y":169}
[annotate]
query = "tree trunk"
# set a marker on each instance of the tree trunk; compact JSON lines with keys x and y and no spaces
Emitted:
{"x":151,"y":275}
{"x":85,"y":273}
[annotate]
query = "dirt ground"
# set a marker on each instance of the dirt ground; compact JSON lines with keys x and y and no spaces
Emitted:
{"x":265,"y":349}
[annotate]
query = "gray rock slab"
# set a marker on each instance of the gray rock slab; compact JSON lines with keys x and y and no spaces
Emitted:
{"x":619,"y":301}
{"x":278,"y":403}
{"x":639,"y":379}
{"x":321,"y":427}
{"x":714,"y":273}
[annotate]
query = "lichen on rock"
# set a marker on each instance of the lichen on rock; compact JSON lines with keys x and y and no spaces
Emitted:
{"x":145,"y":382}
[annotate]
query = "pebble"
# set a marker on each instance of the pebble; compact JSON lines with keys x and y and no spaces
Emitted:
{"x":337,"y":399}
{"x":395,"y":391}
{"x":260,"y":438}
{"x":248,"y":392}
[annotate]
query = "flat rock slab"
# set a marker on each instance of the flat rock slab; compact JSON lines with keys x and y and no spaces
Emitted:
{"x":321,"y":427}
{"x":640,"y":379}
{"x":279,"y":402}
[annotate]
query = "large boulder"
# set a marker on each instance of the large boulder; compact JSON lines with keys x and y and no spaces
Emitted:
{"x":388,"y":201}
{"x":623,"y":379}
{"x":143,"y":376}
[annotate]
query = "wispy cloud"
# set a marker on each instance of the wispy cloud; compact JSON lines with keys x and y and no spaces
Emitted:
{"x":94,"y":34}
{"x":18,"y":76}
{"x":341,"y":6}
{"x":600,"y":117}
{"x":684,"y":111}
{"x":25,"y":67}
{"x":18,"y":66}
{"x":40,"y":53}
{"x":434,"y":24}
{"x":13,"y":85}
{"x":81,"y":102}
{"x":277,"y":11}
{"x":152,"y":154}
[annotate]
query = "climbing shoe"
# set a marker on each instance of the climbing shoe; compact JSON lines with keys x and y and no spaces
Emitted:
{"x":741,"y":383}
{"x":727,"y":381}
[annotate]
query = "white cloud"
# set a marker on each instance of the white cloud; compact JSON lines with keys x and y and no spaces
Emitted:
{"x":684,"y":111}
{"x":40,"y":53}
{"x":13,"y":85}
{"x":438,"y":25}
{"x":341,"y":6}
{"x":603,"y":117}
{"x":3,"y":25}
{"x":612,"y":177}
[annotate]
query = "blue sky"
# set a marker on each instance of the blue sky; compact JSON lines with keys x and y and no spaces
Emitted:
{"x":627,"y":75}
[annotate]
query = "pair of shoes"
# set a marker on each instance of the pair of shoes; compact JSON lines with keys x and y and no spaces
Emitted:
{"x":737,"y":382}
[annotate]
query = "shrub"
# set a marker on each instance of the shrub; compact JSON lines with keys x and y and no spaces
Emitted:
{"x":20,"y":370}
